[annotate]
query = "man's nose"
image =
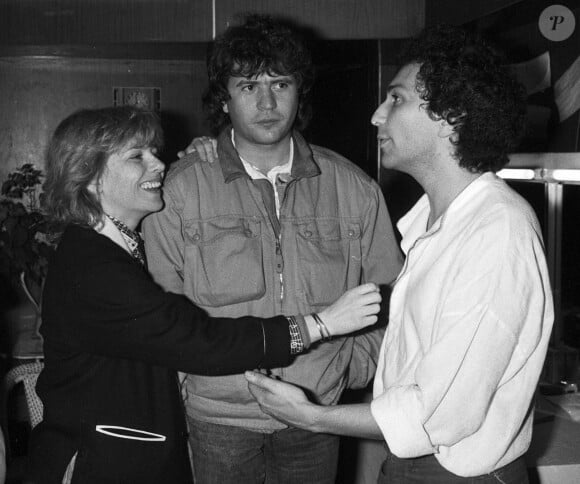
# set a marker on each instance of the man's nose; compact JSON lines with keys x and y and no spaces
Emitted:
{"x":267,"y":99}
{"x":380,"y":115}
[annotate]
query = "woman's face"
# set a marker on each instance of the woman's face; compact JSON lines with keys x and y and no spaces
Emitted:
{"x":130,"y":187}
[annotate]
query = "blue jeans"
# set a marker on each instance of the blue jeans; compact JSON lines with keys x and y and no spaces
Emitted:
{"x":427,"y":470}
{"x":223,"y":454}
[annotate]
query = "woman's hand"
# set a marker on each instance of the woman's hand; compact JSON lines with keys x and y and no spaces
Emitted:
{"x":357,"y":308}
{"x":205,"y":146}
{"x":282,"y":400}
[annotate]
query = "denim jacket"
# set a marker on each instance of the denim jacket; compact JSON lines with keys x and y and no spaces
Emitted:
{"x":219,"y":242}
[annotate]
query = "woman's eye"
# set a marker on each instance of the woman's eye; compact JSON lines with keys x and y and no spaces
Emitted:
{"x":396,"y":98}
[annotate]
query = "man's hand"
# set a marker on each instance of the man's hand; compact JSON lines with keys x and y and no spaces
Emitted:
{"x":289,"y":404}
{"x":282,"y":400}
{"x":205,"y":146}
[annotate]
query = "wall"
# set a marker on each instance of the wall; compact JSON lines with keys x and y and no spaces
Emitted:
{"x":43,"y":85}
{"x":344,"y":97}
{"x":39,"y":22}
{"x":336,"y":19}
{"x":60,"y":55}
{"x":38,"y":92}
{"x":82,"y":21}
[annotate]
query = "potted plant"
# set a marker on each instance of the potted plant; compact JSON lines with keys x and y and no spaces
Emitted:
{"x":25,"y":246}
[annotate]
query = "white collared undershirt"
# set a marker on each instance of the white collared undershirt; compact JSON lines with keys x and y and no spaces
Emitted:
{"x":272,"y":175}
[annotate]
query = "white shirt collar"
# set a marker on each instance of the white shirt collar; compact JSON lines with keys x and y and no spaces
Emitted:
{"x":254,"y":173}
{"x":110,"y":230}
{"x":414,"y":223}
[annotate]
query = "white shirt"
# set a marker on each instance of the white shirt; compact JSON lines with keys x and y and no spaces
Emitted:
{"x":272,"y":175}
{"x":470,"y":320}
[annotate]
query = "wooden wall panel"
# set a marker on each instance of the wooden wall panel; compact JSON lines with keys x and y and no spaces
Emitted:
{"x":336,"y":19}
{"x":88,"y":21}
{"x":37,"y":93}
{"x":344,"y":97}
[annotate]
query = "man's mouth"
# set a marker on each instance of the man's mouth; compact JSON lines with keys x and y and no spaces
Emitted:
{"x":268,"y":123}
{"x":383,"y":140}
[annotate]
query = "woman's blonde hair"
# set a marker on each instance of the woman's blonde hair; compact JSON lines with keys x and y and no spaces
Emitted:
{"x":78,"y":152}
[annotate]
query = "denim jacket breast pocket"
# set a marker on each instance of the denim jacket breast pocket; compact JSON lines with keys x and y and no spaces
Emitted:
{"x":224,"y":260}
{"x":330,"y":258}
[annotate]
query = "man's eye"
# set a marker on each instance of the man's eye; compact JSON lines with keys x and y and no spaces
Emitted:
{"x":396,"y":98}
{"x":281,"y":85}
{"x":248,"y":88}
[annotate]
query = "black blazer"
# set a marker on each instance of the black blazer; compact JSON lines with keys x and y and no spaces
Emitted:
{"x":113,"y":341}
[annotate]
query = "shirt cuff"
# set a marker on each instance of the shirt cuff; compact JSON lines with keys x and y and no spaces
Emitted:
{"x":398,"y":415}
{"x":302,"y":331}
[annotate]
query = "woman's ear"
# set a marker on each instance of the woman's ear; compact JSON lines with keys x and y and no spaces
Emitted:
{"x":95,"y":188}
{"x":225,"y":108}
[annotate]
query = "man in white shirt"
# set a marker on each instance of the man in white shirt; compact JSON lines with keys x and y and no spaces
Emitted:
{"x":471,"y":311}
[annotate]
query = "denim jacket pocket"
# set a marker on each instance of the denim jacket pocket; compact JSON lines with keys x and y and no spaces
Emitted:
{"x":224,"y":260}
{"x":329,"y":251}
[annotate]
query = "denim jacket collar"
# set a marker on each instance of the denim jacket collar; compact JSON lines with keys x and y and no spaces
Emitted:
{"x":303,"y":165}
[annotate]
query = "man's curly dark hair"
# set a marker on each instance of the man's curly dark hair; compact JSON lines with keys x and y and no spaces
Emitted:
{"x":259,"y":46}
{"x":465,"y":81}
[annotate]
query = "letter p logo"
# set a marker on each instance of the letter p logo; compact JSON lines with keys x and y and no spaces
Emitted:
{"x":556,"y":20}
{"x":557,"y":23}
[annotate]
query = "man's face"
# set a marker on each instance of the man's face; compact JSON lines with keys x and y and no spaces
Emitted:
{"x":408,"y":137}
{"x":262,"y":109}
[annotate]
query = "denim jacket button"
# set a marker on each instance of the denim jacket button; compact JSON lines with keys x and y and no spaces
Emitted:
{"x":196,"y":237}
{"x":307,"y":233}
{"x":351,"y":233}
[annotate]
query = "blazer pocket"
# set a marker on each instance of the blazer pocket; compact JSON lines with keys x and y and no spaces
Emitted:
{"x":129,"y":433}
